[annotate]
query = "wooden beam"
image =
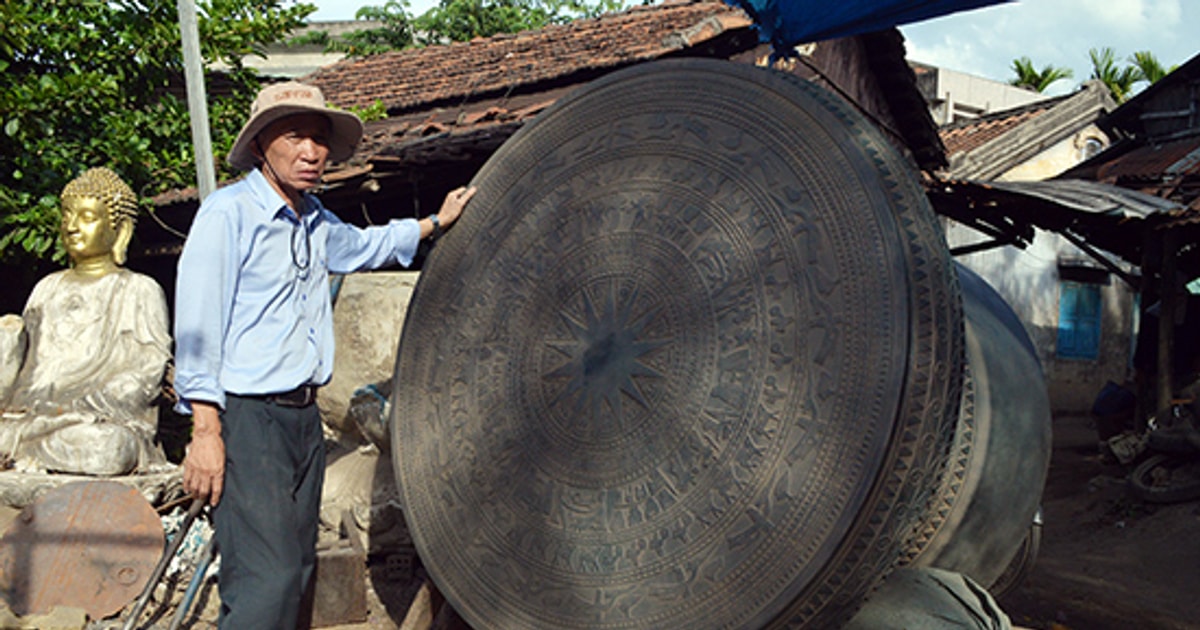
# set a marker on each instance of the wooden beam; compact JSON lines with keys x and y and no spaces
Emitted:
{"x":1167,"y":304}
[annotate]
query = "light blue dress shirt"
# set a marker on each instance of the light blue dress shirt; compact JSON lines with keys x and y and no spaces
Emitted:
{"x":253,"y":313}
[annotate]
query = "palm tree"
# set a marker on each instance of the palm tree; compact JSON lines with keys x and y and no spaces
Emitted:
{"x":1119,"y":81}
{"x":1031,"y":79}
{"x":1148,"y":67}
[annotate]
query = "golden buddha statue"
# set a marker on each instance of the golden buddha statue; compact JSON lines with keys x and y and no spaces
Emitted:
{"x":95,"y":348}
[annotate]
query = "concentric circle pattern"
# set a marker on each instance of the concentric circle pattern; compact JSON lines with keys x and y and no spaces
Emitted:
{"x":683,"y":357}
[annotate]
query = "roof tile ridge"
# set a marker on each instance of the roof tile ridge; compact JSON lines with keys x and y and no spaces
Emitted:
{"x":728,"y":17}
{"x":1004,"y":114}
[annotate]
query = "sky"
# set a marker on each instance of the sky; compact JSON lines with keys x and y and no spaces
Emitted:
{"x":985,"y":42}
{"x":345,"y":9}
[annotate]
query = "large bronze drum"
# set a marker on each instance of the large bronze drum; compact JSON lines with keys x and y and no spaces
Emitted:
{"x":993,"y":486}
{"x":692,"y":359}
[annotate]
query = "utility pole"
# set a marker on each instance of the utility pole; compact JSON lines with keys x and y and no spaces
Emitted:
{"x":206,"y":179}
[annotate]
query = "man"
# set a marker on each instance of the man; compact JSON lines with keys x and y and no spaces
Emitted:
{"x":254,"y":335}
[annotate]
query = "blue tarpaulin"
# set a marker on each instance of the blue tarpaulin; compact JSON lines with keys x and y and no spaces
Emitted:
{"x":787,"y":23}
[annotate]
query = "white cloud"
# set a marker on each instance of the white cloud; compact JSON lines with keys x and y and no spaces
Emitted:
{"x":1135,"y":16}
{"x":1056,"y":32}
{"x":985,"y":41}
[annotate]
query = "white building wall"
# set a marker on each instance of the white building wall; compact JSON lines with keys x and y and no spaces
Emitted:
{"x":1060,"y":157}
{"x":296,"y":61}
{"x":961,"y":96}
{"x":1029,"y":281}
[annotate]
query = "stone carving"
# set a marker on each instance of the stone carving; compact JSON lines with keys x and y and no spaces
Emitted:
{"x":95,"y":348}
{"x":12,"y":350}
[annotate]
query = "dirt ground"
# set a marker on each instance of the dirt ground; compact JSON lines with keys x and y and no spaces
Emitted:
{"x":1107,"y":560}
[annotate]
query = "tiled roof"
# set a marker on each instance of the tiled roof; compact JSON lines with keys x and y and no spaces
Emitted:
{"x":444,"y":100}
{"x":451,"y":106}
{"x":438,"y":75}
{"x":988,"y":147}
{"x":972,"y":134}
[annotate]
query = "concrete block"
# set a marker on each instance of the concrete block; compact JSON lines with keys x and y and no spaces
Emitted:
{"x":339,"y":593}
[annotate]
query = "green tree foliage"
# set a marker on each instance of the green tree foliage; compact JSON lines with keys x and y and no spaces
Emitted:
{"x":1119,"y":80}
{"x":453,"y":21}
{"x":1148,"y":66}
{"x":1037,"y":80}
{"x":464,"y":20}
{"x":88,"y":83}
{"x":395,"y":32}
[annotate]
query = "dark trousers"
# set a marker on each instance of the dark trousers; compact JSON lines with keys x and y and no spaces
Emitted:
{"x":266,"y":522}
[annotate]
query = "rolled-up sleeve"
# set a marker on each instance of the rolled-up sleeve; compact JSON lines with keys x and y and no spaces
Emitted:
{"x":204,"y":289}
{"x":351,"y":248}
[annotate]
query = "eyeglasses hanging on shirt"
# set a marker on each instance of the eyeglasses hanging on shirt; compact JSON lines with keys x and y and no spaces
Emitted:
{"x":301,"y":249}
{"x":301,"y":243}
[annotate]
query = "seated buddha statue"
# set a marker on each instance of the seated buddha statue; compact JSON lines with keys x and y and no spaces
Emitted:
{"x":94,"y":350}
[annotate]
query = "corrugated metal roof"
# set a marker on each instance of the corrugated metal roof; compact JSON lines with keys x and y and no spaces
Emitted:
{"x":1173,"y":159}
{"x":1091,"y":197}
{"x":1106,"y":216}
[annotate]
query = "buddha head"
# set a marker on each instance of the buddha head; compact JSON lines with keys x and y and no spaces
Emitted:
{"x":98,"y":214}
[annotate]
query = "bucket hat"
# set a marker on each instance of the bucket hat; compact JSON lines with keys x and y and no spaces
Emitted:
{"x":285,"y":99}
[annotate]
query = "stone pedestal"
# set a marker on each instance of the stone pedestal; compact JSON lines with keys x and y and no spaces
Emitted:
{"x":367,"y":319}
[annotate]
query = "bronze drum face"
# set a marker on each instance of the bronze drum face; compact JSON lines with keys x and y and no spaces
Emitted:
{"x":684,"y":363}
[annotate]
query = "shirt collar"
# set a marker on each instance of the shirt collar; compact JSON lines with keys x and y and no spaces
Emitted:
{"x":274,"y":205}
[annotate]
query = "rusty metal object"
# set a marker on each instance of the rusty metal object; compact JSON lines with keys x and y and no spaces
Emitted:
{"x":684,"y":363}
{"x":135,"y":613}
{"x":88,"y":544}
